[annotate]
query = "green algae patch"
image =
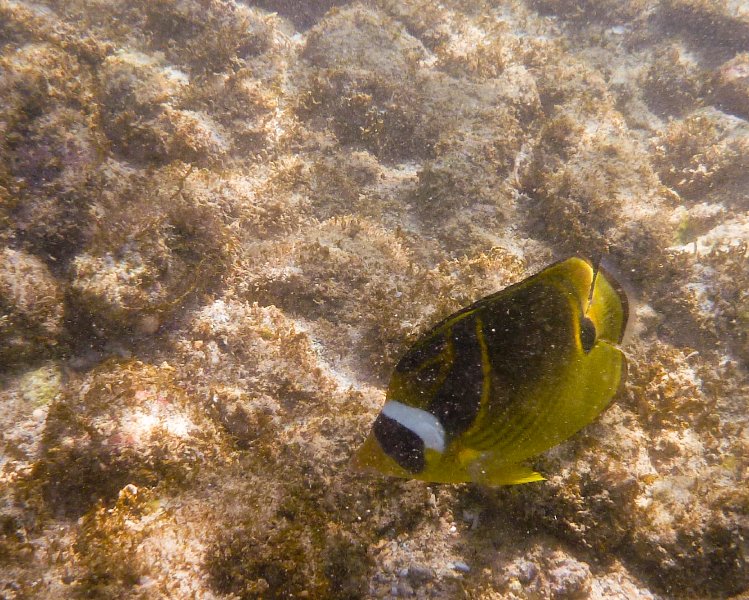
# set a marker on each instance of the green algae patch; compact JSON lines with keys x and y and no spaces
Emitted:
{"x":41,"y":387}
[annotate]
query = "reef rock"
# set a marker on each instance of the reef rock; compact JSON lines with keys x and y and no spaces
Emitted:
{"x":222,"y":224}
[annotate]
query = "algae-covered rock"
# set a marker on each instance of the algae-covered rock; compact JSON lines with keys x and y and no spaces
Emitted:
{"x":122,"y":424}
{"x":732,"y":87}
{"x":31,"y":307}
{"x":369,"y":288}
{"x":258,"y":366}
{"x":158,"y":244}
{"x":369,"y":98}
{"x":675,"y":82}
{"x":206,"y":37}
{"x":701,"y":153}
{"x":724,"y":25}
{"x":141,"y":101}
{"x":721,"y":291}
{"x":582,"y":184}
{"x":135,"y":91}
{"x":602,"y":11}
{"x":49,"y":145}
{"x":649,"y":491}
{"x":26,"y":398}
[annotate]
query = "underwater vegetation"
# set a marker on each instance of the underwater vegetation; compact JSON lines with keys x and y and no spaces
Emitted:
{"x":225,"y":225}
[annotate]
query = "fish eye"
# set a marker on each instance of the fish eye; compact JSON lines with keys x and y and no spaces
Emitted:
{"x":587,"y":334}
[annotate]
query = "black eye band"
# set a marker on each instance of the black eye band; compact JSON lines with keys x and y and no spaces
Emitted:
{"x":400,"y":443}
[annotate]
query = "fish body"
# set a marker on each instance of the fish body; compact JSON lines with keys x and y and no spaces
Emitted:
{"x":503,"y":380}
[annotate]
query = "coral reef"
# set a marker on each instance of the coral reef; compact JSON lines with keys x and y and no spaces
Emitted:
{"x":222,"y":223}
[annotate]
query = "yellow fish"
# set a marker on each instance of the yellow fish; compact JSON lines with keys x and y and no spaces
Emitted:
{"x":503,"y":380}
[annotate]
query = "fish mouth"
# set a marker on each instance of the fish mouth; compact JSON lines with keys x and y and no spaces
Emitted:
{"x":358,"y":462}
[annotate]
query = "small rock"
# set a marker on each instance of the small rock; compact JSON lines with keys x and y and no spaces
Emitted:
{"x":732,"y":89}
{"x":570,"y":578}
{"x":404,"y":589}
{"x":526,"y":571}
{"x":461,"y":567}
{"x":418,"y":574}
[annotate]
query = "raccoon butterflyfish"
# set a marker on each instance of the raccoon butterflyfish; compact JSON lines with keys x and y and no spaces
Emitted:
{"x":503,"y":380}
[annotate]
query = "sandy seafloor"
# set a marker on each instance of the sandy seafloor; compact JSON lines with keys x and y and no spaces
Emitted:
{"x":221,"y":225}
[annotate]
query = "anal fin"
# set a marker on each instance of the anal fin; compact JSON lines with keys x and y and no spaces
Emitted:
{"x":504,"y":474}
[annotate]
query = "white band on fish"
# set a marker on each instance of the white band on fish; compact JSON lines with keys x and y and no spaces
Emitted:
{"x":422,"y":423}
